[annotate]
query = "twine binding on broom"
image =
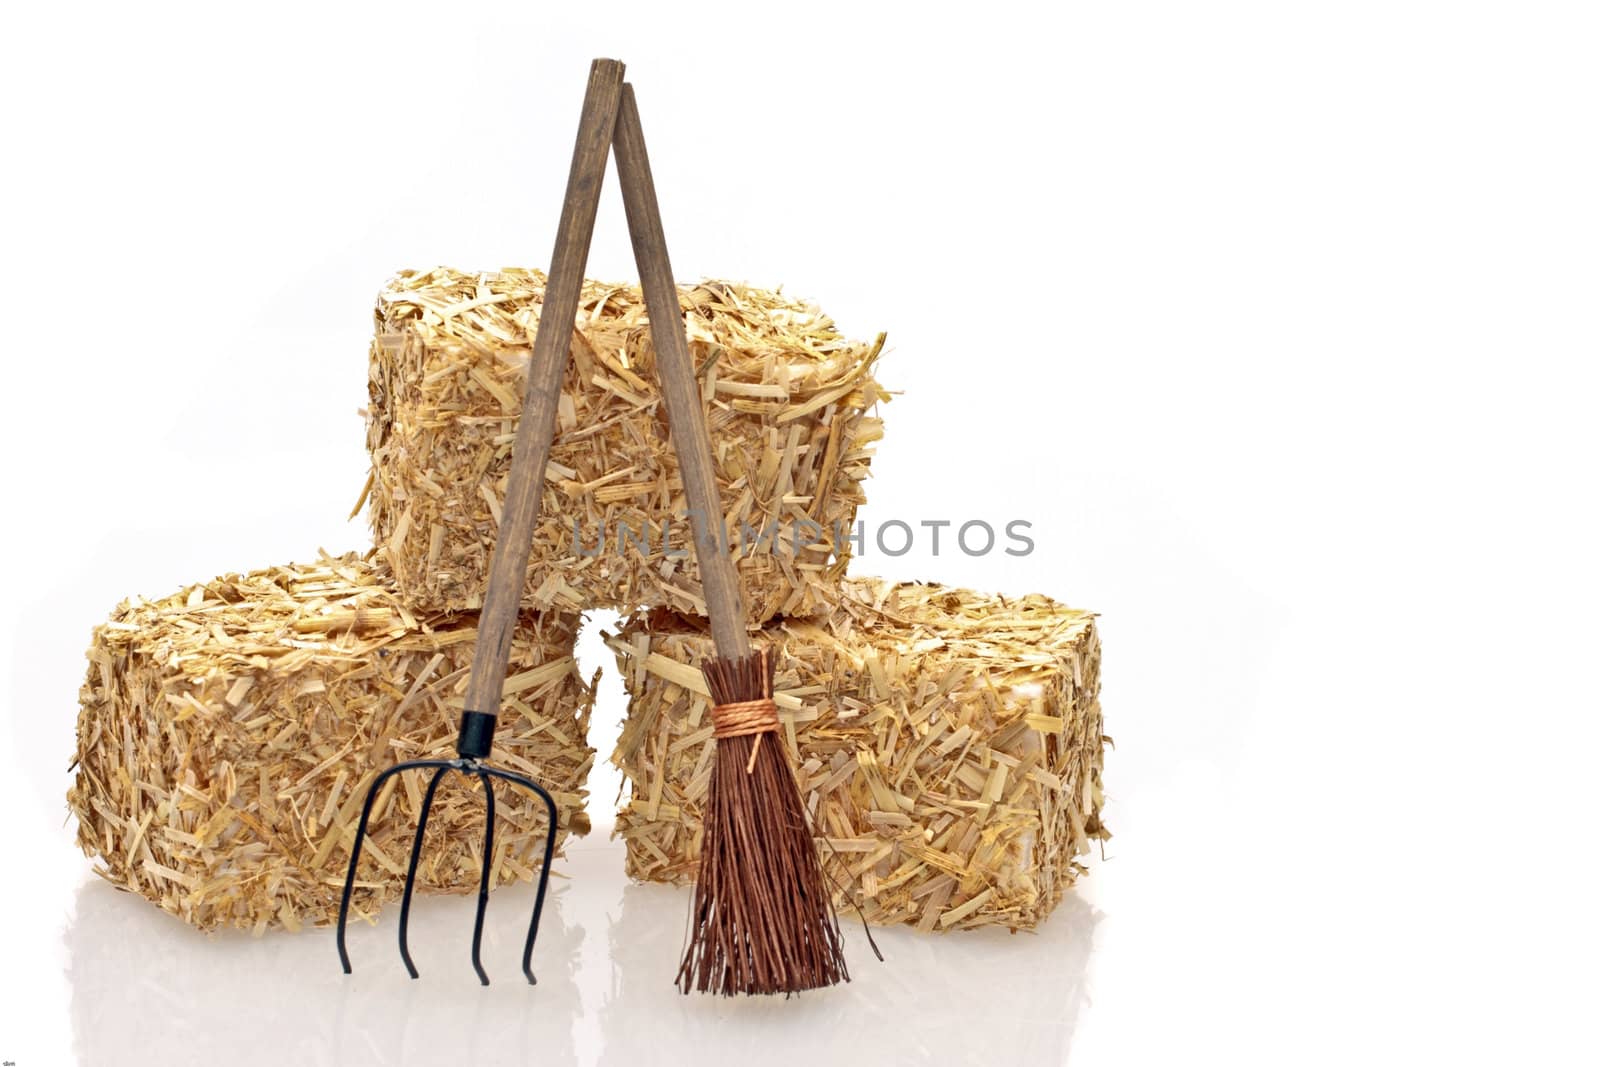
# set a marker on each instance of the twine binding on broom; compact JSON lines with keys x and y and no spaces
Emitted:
{"x":744,"y":717}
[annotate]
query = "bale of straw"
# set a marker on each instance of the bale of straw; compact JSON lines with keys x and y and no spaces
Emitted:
{"x":949,"y":748}
{"x":787,"y":400}
{"x":227,"y":734}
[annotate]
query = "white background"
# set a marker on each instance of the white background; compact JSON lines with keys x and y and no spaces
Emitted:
{"x":1277,"y":320}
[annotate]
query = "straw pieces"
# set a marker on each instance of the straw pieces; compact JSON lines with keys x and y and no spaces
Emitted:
{"x":787,"y":401}
{"x":949,"y":748}
{"x":226,"y":735}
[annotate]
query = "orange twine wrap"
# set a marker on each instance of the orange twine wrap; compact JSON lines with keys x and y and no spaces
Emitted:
{"x":744,"y":718}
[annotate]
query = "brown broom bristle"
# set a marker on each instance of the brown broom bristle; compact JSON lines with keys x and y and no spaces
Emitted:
{"x":763,"y":921}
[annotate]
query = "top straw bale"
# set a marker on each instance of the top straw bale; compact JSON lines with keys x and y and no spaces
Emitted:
{"x":787,"y":401}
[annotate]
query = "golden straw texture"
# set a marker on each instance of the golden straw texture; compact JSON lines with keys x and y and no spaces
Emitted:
{"x":226,"y":735}
{"x":787,"y":401}
{"x":949,"y":748}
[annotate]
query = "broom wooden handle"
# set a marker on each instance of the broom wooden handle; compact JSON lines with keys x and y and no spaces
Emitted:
{"x":680,"y":389}
{"x":508,"y":569}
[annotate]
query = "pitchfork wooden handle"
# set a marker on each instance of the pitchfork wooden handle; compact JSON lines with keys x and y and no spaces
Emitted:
{"x":508,"y":570}
{"x":680,"y":389}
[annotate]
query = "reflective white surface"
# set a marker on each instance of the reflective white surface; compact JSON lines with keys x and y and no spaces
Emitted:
{"x":605,"y":960}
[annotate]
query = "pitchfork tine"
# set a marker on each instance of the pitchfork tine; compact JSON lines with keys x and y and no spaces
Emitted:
{"x":488,"y":874}
{"x":411,"y":868}
{"x":355,"y":847}
{"x":544,"y":868}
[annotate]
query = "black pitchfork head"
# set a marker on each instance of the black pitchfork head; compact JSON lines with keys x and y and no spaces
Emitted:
{"x":477,"y":730}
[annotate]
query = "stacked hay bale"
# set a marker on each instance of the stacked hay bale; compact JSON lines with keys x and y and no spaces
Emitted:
{"x":787,"y":400}
{"x":227,"y":734}
{"x":948,"y":748}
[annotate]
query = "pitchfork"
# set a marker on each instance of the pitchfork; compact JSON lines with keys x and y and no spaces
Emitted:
{"x":509,"y":566}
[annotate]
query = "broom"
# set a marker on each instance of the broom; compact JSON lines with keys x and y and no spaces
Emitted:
{"x":762,"y":920}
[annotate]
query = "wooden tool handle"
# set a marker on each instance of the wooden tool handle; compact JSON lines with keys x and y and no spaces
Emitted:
{"x":508,"y":570}
{"x":679,"y":386}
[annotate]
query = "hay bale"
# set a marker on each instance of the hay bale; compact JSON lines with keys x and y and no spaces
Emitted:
{"x":786,"y":398}
{"x":949,"y":748}
{"x":227,"y":733}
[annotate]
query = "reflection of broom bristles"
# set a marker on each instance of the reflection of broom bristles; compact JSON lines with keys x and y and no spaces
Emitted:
{"x":763,"y":921}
